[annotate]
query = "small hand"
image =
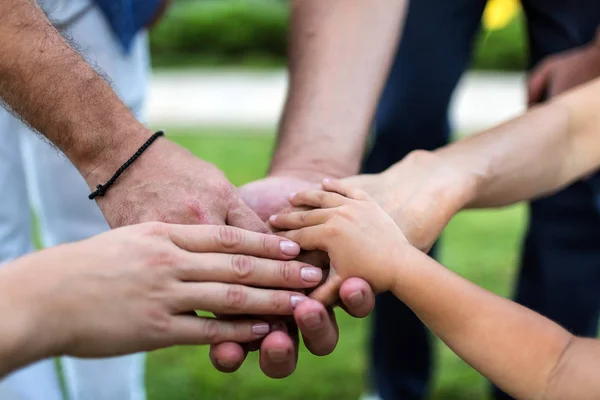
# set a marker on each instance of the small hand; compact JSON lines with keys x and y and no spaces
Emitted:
{"x":359,"y":236}
{"x":421,"y":193}
{"x":564,"y":71}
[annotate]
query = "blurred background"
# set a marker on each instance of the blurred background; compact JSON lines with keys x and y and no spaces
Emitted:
{"x":218,"y":86}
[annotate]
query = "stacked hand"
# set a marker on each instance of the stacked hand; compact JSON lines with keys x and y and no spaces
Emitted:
{"x":360,"y":238}
{"x":317,"y":323}
{"x":145,"y":281}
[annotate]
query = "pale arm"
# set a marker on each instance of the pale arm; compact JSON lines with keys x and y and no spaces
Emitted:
{"x":525,"y":354}
{"x":541,"y":152}
{"x":340,"y":55}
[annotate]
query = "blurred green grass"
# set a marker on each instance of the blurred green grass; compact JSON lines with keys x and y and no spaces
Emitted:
{"x":480,"y":245}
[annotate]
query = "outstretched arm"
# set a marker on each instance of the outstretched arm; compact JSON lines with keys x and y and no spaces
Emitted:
{"x":524,"y":353}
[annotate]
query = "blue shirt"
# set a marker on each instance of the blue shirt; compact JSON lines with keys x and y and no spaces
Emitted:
{"x":128,"y":17}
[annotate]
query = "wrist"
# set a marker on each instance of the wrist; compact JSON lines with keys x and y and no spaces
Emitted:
{"x":23,"y":319}
{"x":312,"y":172}
{"x":99,"y":166}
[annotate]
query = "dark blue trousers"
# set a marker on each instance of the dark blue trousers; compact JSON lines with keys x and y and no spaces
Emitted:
{"x":560,"y":265}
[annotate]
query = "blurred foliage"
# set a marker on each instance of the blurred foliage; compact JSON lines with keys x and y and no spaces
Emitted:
{"x":254,"y":33}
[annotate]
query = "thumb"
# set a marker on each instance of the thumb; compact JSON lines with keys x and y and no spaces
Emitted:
{"x":241,"y":215}
{"x":538,"y":83}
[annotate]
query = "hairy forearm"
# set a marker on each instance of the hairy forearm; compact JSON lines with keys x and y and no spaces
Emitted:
{"x":340,"y":54}
{"x":514,"y":347}
{"x":538,"y":153}
{"x":52,"y":88}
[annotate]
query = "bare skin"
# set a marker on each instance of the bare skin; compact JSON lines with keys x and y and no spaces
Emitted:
{"x":522,"y":352}
{"x":133,"y":289}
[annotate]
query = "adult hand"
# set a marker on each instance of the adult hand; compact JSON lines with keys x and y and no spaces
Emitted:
{"x":169,"y":184}
{"x":317,"y":323}
{"x":132,"y":289}
{"x":421,"y":193}
{"x":564,"y":71}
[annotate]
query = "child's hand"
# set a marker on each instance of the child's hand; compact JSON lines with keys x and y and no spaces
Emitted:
{"x":361,"y":238}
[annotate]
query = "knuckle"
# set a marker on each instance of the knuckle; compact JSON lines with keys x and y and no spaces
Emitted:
{"x":212,"y":330}
{"x":158,"y":322}
{"x":284,"y":271}
{"x":243,"y":266}
{"x":236,"y":297}
{"x":229,"y":237}
{"x":280,"y":301}
{"x":154,"y":228}
{"x":331,"y":230}
{"x":346,"y":212}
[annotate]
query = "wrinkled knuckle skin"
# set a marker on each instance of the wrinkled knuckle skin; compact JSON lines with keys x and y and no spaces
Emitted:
{"x":236,"y":297}
{"x":280,"y":302}
{"x":158,"y":322}
{"x":154,"y":228}
{"x":285,"y":272}
{"x":243,"y":267}
{"x":229,"y":237}
{"x":212,"y":331}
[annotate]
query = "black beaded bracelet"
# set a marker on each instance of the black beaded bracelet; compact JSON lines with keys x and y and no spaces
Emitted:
{"x":101,"y":189}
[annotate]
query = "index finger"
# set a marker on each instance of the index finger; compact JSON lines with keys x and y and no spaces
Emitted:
{"x":231,"y":240}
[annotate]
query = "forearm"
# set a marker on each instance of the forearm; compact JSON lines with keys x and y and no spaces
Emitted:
{"x":538,"y":153}
{"x":21,"y":342}
{"x":514,"y":347}
{"x":48,"y":84}
{"x":340,"y":54}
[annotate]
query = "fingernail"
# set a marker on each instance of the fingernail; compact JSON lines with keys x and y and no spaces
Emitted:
{"x":356,"y":299}
{"x":292,"y":195}
{"x":278,"y":356}
{"x":272,"y":218}
{"x":295,"y":300}
{"x":312,"y":321}
{"x":289,"y":248}
{"x":326,"y":180}
{"x":261,"y":329}
{"x":311,"y":274}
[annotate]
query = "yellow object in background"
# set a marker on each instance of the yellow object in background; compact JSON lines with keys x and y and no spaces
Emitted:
{"x":499,"y":13}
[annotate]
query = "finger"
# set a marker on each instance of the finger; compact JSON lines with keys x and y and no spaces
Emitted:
{"x":357,"y":297}
{"x":328,"y":292}
{"x":248,"y":270}
{"x":228,"y":239}
{"x":242,"y":216}
{"x":310,"y":238}
{"x":317,"y":199}
{"x":345,"y":189}
{"x":300,"y":219}
{"x":278,"y":355}
{"x":222,"y":298}
{"x":318,"y":326}
{"x":227,"y":357}
{"x":200,"y":330}
{"x":538,"y":83}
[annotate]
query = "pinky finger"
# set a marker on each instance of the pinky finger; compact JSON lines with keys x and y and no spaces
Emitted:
{"x":345,"y":189}
{"x":187,"y":330}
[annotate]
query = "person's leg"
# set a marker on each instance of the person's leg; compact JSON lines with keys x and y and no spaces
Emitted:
{"x":38,"y":381}
{"x":413,"y":114}
{"x":66,"y":214}
{"x":560,"y":267}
